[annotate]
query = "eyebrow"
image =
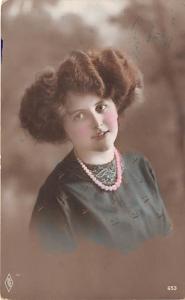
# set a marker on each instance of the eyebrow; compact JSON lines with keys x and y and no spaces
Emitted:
{"x":82,"y":109}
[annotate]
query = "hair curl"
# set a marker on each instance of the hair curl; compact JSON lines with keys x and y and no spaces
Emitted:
{"x":106,"y":73}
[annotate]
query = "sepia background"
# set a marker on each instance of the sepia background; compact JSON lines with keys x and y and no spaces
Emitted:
{"x":40,"y":33}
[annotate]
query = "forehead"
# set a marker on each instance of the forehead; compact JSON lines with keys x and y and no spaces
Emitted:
{"x":81,"y":101}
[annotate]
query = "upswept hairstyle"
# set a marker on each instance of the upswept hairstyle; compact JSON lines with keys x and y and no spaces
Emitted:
{"x":108,"y":73}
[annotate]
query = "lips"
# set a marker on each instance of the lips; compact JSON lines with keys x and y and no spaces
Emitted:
{"x":101,"y":134}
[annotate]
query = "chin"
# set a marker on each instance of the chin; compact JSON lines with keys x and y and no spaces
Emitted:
{"x":103,"y":147}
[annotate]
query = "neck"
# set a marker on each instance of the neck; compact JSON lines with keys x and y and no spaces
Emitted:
{"x":95,"y":157}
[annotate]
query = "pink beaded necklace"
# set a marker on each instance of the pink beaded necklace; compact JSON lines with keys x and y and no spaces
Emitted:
{"x":113,"y":187}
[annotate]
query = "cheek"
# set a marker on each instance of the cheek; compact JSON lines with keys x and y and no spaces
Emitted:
{"x":111,"y":118}
{"x":80,"y":131}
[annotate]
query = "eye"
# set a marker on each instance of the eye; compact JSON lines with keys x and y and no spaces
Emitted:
{"x":101,"y":107}
{"x":79,"y":117}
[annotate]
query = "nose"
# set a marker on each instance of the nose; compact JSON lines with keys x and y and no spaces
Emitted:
{"x":97,"y":120}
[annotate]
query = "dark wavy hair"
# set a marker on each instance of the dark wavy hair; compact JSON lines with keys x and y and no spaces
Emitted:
{"x":105,"y":73}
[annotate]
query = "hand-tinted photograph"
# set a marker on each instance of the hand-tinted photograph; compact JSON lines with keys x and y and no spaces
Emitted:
{"x":93,"y":149}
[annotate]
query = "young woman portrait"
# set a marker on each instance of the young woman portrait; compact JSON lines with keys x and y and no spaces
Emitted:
{"x":95,"y":192}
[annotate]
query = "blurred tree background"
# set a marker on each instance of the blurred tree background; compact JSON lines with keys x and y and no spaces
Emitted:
{"x":37,"y":34}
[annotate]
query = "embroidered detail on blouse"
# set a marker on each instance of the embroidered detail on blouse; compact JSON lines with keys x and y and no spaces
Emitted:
{"x":84,"y":211}
{"x":106,"y":173}
{"x":40,"y":208}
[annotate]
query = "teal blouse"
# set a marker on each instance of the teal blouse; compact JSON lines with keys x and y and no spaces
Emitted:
{"x":71,"y":207}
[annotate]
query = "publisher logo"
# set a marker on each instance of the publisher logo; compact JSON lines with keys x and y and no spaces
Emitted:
{"x":9,"y":282}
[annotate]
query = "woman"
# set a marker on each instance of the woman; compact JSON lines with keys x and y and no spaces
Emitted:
{"x":95,"y":192}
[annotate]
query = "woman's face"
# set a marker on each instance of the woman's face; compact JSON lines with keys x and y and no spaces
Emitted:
{"x":91,"y":123}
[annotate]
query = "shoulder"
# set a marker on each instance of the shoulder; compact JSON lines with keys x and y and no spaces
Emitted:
{"x":133,"y":158}
{"x":47,"y":202}
{"x":138,"y":162}
{"x":58,"y":173}
{"x":52,"y":186}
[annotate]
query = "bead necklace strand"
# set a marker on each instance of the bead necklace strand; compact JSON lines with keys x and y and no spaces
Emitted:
{"x":113,"y":187}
